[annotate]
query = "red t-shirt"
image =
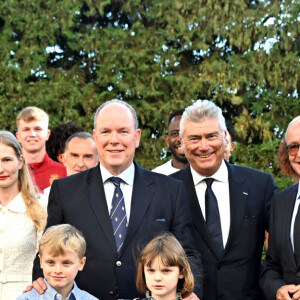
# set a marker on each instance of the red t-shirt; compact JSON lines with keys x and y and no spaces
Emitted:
{"x":46,"y":171}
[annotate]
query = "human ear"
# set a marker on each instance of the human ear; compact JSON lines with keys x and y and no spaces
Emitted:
{"x":82,"y":263}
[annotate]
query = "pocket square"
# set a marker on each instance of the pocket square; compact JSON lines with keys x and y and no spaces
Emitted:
{"x":160,"y":220}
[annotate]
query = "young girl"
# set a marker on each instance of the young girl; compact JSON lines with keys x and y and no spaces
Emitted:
{"x":163,"y":271}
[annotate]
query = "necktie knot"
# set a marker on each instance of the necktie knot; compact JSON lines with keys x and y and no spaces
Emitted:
{"x":208,"y":181}
{"x":115,"y":180}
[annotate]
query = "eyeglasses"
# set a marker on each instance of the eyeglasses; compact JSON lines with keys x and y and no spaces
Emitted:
{"x":293,"y":149}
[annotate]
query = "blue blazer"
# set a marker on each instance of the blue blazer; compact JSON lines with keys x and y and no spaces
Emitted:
{"x":236,"y":275}
{"x":280,"y":267}
{"x":159,"y":203}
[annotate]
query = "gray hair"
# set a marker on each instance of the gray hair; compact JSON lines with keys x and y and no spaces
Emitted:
{"x":135,"y":119}
{"x":294,"y":121}
{"x":81,"y":135}
{"x":201,"y":110}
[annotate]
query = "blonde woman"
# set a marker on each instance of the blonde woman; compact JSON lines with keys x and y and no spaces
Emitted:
{"x":22,"y":219}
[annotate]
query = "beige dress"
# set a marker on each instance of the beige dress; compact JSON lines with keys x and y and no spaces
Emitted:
{"x":18,"y":248}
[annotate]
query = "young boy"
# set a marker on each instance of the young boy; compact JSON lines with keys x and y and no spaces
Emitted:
{"x":61,"y":252}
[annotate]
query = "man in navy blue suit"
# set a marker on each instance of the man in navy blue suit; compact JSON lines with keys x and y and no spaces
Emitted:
{"x":153,"y":203}
{"x":280,"y":277}
{"x":230,"y":207}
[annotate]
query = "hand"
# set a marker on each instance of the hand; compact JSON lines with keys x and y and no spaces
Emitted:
{"x":288,"y":292}
{"x":192,"y":296}
{"x":39,"y":285}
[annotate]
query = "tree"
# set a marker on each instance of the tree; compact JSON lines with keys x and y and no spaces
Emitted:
{"x":70,"y":56}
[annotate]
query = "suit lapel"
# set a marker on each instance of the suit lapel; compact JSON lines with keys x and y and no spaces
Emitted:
{"x":238,"y":196}
{"x":97,"y":200}
{"x":287,"y":213}
{"x":142,"y":194}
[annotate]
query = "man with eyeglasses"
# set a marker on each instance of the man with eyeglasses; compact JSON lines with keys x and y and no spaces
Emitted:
{"x":280,"y":277}
{"x":178,"y":160}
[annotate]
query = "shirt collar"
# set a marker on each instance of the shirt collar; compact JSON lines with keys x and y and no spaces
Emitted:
{"x":74,"y":294}
{"x":41,"y":163}
{"x":221,"y":175}
{"x":127,"y":175}
{"x":17,"y":204}
{"x":298,"y":194}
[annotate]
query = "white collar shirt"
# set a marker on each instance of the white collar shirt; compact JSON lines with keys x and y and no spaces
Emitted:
{"x":126,"y":186}
{"x":220,"y":188}
{"x":297,"y":202}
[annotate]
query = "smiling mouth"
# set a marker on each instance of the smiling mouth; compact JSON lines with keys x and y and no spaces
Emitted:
{"x":205,"y":156}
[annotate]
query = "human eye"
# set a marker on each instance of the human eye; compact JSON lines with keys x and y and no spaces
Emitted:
{"x":175,"y":133}
{"x":50,"y":262}
{"x":7,"y":159}
{"x":166,"y":270}
{"x":104,"y":131}
{"x":66,"y":262}
{"x":194,"y":139}
{"x":149,"y":270}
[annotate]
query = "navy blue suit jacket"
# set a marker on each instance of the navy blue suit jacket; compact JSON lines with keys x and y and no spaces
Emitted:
{"x":159,"y":203}
{"x":280,"y":267}
{"x":236,"y":275}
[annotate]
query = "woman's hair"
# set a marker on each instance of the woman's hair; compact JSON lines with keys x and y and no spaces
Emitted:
{"x":33,"y":208}
{"x":168,"y":249}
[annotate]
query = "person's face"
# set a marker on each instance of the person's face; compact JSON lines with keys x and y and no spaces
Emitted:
{"x":115,"y":137}
{"x":33,"y":135}
{"x":80,"y":155}
{"x":204,"y":146}
{"x":229,"y":147}
{"x":293,"y":137}
{"x":173,"y":140}
{"x":162,"y":280}
{"x":9,"y":167}
{"x":60,"y":271}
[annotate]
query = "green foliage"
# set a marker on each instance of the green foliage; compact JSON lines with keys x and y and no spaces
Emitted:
{"x":70,"y":56}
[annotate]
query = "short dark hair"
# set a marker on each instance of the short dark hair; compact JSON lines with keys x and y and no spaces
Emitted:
{"x":177,"y":112}
{"x":231,"y":130}
{"x":59,"y":134}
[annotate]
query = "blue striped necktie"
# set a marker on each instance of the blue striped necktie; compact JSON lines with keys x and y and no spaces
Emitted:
{"x":118,"y":214}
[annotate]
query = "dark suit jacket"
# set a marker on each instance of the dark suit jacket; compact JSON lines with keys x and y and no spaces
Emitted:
{"x":280,"y":267}
{"x":236,"y":275}
{"x":159,"y":204}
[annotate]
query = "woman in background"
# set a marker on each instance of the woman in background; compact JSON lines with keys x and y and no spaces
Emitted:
{"x":22,"y":219}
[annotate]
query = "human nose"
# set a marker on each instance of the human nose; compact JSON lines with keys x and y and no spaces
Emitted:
{"x":157,"y":276}
{"x":114,"y":137}
{"x":32,"y":133}
{"x":1,"y":168}
{"x":204,"y":144}
{"x":57,"y":268}
{"x":80,"y":162}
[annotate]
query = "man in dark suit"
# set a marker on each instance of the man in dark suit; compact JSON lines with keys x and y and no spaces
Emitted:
{"x":280,"y":277}
{"x":151,"y":203}
{"x":229,"y":204}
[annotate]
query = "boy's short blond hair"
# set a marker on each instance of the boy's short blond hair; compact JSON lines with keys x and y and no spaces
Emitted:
{"x":32,"y":113}
{"x":59,"y":239}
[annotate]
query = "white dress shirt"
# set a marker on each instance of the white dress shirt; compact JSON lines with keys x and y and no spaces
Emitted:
{"x":220,"y":188}
{"x":297,"y":202}
{"x":109,"y":188}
